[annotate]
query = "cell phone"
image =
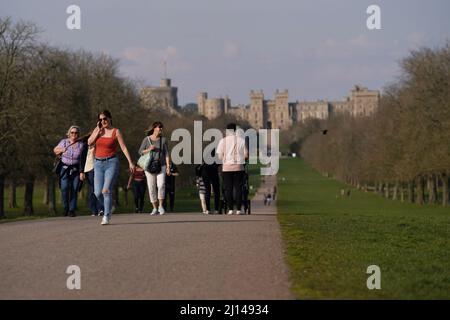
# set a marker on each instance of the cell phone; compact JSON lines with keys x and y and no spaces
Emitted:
{"x":99,"y":124}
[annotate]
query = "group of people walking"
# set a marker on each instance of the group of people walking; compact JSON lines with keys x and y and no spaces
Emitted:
{"x":96,"y":161}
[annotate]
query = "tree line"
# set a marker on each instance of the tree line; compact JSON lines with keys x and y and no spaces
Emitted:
{"x":403,"y":150}
{"x":44,"y":90}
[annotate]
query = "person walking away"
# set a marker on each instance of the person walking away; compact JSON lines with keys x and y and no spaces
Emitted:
{"x":201,"y":187}
{"x":233,"y":152}
{"x":212,"y":182}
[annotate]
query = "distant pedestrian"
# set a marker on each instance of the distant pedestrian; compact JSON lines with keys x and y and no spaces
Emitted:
{"x":212,"y":181}
{"x":201,"y":187}
{"x":156,"y":144}
{"x":268,"y":199}
{"x":233,"y":152}
{"x":106,"y":166}
{"x":70,"y":149}
{"x":170,"y":187}
{"x":137,"y":178}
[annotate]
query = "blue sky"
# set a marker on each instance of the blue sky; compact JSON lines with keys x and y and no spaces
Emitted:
{"x":315,"y":49}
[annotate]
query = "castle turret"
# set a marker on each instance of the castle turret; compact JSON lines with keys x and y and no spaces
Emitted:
{"x":201,"y":100}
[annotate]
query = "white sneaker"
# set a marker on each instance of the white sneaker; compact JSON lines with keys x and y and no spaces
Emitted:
{"x":206,"y":212}
{"x":154,"y":211}
{"x":230,"y":212}
{"x":105,"y":220}
{"x":238,"y":212}
{"x":161,"y":210}
{"x":216,"y":212}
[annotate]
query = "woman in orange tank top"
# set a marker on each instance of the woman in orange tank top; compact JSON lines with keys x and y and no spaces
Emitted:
{"x":106,"y":166}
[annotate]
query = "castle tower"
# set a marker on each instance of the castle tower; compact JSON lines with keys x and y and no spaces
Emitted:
{"x":257,"y":118}
{"x":162,"y":98}
{"x":282,"y":117}
{"x":201,"y":101}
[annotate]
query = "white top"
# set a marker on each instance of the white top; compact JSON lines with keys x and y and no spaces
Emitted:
{"x":232,"y":151}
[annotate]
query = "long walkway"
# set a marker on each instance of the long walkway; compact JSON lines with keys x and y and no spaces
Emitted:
{"x":175,"y":256}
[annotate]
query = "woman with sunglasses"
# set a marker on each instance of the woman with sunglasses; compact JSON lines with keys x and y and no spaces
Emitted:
{"x":106,"y":165}
{"x":70,"y":150}
{"x":157,"y":145}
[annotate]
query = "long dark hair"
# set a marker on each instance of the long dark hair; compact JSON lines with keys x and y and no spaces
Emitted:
{"x":107,"y":114}
{"x":154,"y":125}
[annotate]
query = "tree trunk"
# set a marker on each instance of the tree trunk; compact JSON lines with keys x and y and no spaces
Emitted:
{"x":379,"y":188}
{"x":125,"y":193}
{"x":420,"y":190}
{"x":28,"y":198}
{"x":402,"y":192}
{"x":51,"y":194}
{"x":2,"y":192}
{"x":411,"y":186}
{"x":445,"y":191}
{"x":395,"y":192}
{"x":116,"y":195}
{"x":386,"y":190}
{"x":45,"y":198}
{"x":432,"y":191}
{"x":13,"y":194}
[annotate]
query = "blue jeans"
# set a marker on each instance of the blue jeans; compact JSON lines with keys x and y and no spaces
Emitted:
{"x":70,"y":178}
{"x":105,"y":177}
{"x":94,"y":205}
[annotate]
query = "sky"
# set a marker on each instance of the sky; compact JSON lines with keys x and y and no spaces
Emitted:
{"x":316,"y":49}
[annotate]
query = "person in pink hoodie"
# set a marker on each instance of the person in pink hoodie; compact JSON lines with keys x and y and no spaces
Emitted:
{"x":233,"y":153}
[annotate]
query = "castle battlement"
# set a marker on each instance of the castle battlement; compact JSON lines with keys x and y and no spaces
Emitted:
{"x":282,"y":114}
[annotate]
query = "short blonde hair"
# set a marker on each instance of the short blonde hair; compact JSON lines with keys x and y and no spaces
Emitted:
{"x":72,"y":127}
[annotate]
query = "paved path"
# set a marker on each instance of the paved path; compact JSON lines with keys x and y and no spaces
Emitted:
{"x":175,"y":256}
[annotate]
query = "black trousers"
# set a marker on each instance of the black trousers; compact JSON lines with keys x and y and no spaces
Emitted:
{"x":233,"y":182}
{"x":171,"y":195}
{"x":139,"y":188}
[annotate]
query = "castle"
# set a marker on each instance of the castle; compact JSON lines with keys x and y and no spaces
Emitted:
{"x":261,"y":113}
{"x":282,"y":114}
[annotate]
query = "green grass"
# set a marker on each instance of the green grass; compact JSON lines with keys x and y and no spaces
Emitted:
{"x":186,"y":200}
{"x":331,"y":240}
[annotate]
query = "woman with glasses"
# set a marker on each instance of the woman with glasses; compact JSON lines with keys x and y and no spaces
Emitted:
{"x":106,"y":164}
{"x":70,"y":150}
{"x":157,"y":145}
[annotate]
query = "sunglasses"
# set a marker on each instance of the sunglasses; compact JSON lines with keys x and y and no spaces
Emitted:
{"x":74,"y":132}
{"x":103,"y":119}
{"x":159,"y":127}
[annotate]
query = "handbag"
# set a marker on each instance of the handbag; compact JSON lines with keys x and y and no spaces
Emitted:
{"x":89,"y":165}
{"x":154,"y":166}
{"x":144,"y":160}
{"x":57,"y":165}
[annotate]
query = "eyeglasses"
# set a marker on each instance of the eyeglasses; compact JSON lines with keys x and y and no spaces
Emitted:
{"x":103,"y":119}
{"x":74,"y":132}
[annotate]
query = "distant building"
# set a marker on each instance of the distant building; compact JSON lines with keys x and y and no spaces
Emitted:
{"x":281,"y":114}
{"x":163,"y":98}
